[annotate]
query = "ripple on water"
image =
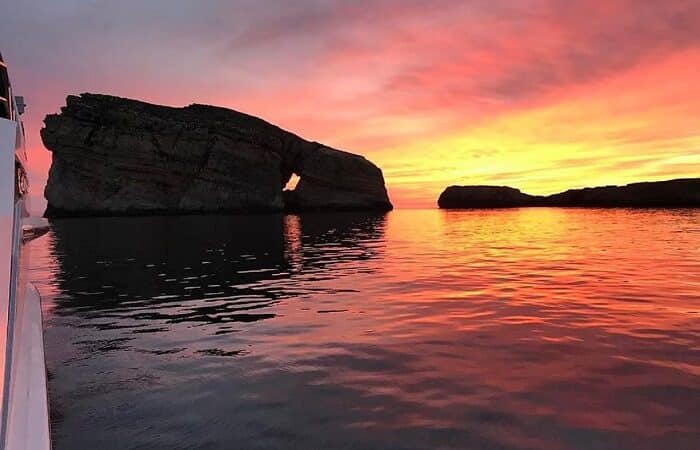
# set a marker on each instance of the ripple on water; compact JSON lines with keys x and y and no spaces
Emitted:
{"x":510,"y":329}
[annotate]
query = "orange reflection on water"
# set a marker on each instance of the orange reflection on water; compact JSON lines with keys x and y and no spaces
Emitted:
{"x":516,"y":328}
{"x":529,"y":312}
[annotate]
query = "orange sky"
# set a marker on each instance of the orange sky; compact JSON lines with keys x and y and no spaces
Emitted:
{"x":538,"y":94}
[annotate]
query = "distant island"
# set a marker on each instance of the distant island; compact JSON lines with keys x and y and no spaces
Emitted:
{"x":117,"y":156}
{"x":673,"y":193}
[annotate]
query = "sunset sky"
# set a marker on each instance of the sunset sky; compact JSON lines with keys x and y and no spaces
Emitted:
{"x":542,"y":95}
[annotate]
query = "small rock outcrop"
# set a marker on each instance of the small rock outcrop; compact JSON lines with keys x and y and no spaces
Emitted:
{"x":683,"y":192}
{"x":116,"y":156}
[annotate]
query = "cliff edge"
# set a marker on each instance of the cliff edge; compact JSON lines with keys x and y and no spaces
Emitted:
{"x":116,"y":156}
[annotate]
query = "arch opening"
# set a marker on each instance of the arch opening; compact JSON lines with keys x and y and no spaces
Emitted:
{"x":292,"y":182}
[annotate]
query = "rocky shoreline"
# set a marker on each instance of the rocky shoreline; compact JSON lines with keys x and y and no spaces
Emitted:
{"x":683,"y":192}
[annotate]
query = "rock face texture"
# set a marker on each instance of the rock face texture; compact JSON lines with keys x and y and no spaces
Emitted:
{"x":673,"y":193}
{"x":115,"y":156}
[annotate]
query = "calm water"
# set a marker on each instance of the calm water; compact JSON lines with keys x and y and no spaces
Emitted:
{"x":506,"y":329}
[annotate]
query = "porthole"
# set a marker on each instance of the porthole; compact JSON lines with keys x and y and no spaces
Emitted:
{"x":21,"y":183}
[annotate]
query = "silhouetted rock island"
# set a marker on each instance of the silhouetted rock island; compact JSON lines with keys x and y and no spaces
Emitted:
{"x":673,"y":193}
{"x":116,"y":156}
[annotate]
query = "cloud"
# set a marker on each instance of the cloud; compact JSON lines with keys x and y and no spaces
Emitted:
{"x":362,"y":75}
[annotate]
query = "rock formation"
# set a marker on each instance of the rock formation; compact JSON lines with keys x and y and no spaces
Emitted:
{"x":482,"y":197}
{"x":115,"y":156}
{"x":673,"y":193}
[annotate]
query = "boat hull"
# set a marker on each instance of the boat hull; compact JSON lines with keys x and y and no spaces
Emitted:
{"x":24,"y":408}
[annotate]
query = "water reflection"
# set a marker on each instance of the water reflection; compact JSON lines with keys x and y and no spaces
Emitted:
{"x":512,"y":329}
{"x":197,"y":268}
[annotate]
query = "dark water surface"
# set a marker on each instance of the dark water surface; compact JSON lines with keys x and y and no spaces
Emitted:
{"x":507,"y":329}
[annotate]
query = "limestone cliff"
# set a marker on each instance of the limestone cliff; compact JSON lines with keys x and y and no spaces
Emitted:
{"x":116,"y":156}
{"x":683,"y":192}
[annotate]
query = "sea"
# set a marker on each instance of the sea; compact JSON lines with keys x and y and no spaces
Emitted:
{"x":535,"y":328}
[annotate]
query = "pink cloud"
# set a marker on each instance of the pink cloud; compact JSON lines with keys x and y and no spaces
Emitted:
{"x":359,"y":75}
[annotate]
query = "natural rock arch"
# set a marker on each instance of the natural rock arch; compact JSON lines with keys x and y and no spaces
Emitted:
{"x":115,"y":156}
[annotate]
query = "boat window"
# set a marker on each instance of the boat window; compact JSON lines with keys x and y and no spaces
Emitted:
{"x":5,"y":109}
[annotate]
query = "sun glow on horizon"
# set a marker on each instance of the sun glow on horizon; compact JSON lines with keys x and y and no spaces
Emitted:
{"x":628,"y":128}
{"x":599,"y":92}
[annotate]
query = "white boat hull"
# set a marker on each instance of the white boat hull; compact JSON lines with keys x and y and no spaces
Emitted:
{"x":24,"y":410}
